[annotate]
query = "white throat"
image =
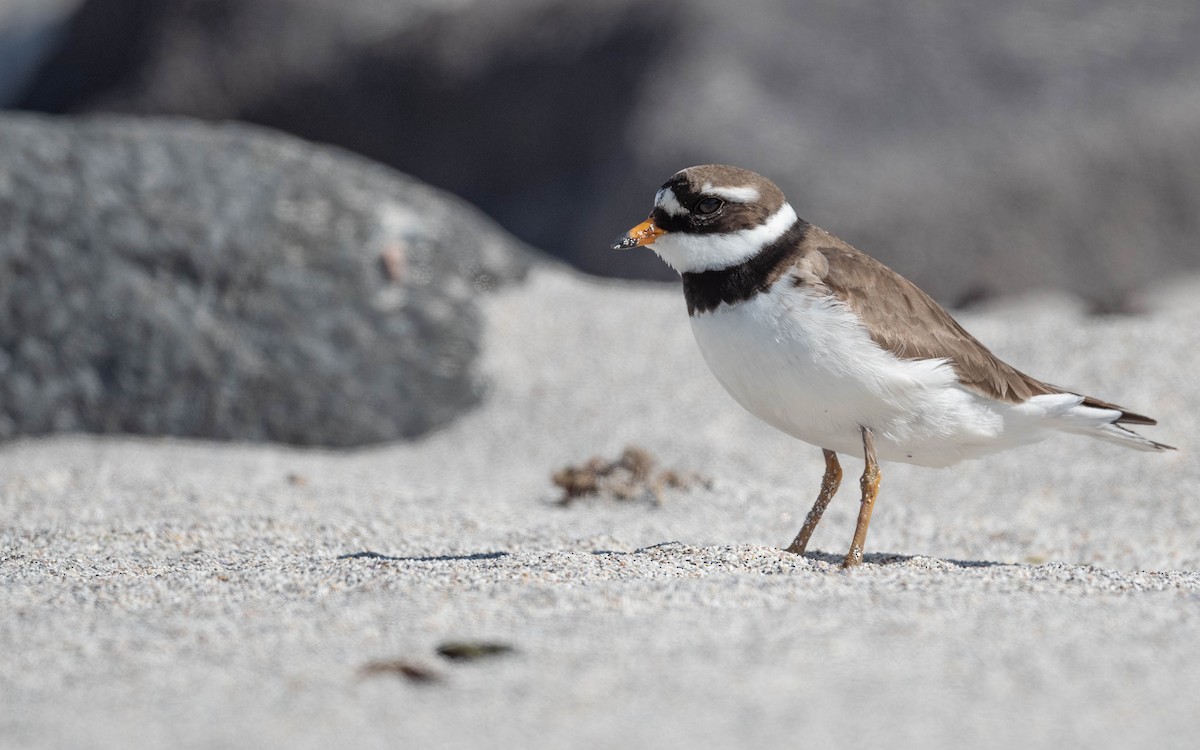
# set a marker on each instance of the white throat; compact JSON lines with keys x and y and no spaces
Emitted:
{"x":692,"y":253}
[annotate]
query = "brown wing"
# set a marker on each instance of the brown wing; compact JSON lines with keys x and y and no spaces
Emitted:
{"x":907,"y":322}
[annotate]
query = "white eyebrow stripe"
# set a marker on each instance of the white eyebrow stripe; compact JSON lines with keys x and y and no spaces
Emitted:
{"x":666,"y":200}
{"x":743,"y":194}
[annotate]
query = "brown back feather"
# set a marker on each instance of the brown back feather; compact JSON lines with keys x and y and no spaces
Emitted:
{"x":907,"y":322}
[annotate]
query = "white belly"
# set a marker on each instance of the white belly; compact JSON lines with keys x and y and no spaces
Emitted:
{"x":805,"y":365}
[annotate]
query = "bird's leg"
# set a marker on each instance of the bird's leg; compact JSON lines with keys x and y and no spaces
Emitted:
{"x":870,"y":490}
{"x":829,"y":486}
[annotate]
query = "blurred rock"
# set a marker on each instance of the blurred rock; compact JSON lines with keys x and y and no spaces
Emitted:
{"x":29,"y":33}
{"x":979,"y":149}
{"x":173,"y":278}
{"x":519,"y":107}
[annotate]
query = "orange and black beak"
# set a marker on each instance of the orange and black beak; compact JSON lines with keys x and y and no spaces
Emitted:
{"x":643,"y":234}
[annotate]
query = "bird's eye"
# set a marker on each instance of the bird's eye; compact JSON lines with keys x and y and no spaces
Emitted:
{"x":709,"y":205}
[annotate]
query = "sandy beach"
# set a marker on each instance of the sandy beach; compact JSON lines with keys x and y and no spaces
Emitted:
{"x":162,"y":592}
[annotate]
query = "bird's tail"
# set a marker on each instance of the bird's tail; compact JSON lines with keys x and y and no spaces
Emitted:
{"x":1084,"y":415}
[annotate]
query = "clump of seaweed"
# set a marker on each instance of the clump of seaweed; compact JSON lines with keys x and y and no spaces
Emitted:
{"x":632,"y":476}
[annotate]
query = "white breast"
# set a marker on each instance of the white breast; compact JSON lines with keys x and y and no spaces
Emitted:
{"x":806,"y":365}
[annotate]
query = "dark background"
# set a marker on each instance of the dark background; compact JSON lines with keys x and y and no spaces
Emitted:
{"x":978,"y":149}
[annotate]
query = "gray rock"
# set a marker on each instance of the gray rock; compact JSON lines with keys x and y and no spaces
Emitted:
{"x":174,"y":278}
{"x":522,"y":108}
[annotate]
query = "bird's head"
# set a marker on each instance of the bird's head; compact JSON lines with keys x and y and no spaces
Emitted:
{"x":712,"y":216}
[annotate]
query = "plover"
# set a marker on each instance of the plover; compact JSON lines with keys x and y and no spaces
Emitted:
{"x":830,"y":346}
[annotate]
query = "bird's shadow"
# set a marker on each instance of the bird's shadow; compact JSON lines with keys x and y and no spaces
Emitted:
{"x":874,"y":558}
{"x":891,"y":558}
{"x":369,"y":555}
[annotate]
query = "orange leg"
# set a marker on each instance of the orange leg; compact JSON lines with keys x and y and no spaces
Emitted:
{"x":870,"y":490}
{"x":829,"y":486}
